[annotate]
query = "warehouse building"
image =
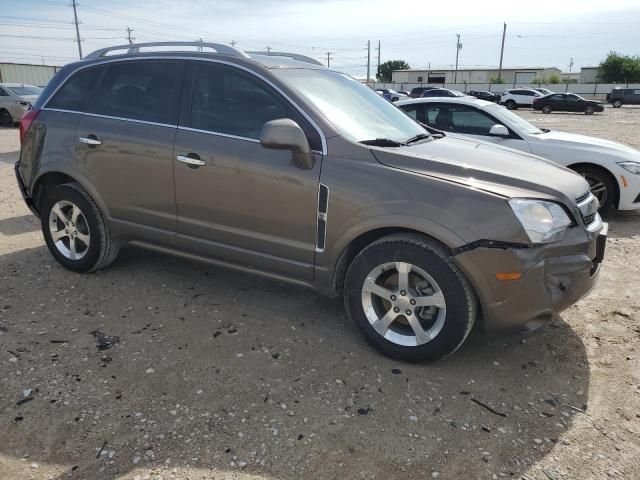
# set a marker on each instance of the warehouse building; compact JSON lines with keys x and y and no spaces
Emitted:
{"x":469,"y":75}
{"x":38,"y":75}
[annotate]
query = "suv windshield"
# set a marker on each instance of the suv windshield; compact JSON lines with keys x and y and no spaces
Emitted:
{"x":25,"y":90}
{"x":509,"y":118}
{"x":356,"y":111}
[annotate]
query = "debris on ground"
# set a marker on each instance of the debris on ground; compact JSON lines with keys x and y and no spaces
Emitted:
{"x":105,"y":341}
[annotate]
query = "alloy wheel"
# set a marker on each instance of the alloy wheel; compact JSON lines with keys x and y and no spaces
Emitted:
{"x":597,"y":187}
{"x":69,"y":230}
{"x":403,"y":303}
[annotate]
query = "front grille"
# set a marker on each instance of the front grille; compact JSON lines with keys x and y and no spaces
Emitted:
{"x":588,"y":205}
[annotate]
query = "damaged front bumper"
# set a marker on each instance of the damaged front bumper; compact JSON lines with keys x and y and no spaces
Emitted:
{"x":553,"y":277}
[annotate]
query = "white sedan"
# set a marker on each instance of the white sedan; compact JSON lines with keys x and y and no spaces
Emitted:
{"x":612,"y":169}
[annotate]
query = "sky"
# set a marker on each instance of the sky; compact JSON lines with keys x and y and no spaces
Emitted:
{"x":548,"y":33}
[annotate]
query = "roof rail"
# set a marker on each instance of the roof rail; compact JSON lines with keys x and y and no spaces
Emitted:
{"x":293,"y":56}
{"x":135,"y":48}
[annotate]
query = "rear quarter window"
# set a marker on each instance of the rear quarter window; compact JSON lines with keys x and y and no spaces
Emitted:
{"x":74,"y":93}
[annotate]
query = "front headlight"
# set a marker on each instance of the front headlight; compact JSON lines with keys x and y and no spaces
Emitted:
{"x":633,"y":167}
{"x":544,"y":222}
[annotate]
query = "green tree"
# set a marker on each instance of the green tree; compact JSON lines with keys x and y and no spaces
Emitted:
{"x":539,"y":80}
{"x":619,"y":68}
{"x":385,"y":69}
{"x":496,"y":80}
{"x":554,"y":78}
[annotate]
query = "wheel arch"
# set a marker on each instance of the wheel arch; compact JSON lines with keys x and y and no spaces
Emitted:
{"x":363,"y":239}
{"x":604,"y":170}
{"x":51,"y":179}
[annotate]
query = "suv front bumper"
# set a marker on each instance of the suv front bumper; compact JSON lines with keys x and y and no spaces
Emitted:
{"x":553,"y":278}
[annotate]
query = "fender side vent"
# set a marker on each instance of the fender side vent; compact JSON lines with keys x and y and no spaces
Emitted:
{"x":323,"y":208}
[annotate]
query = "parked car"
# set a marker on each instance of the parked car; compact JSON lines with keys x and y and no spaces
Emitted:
{"x":519,"y":97}
{"x":15,"y":100}
{"x":417,"y":91}
{"x":620,"y":96}
{"x":566,"y":102}
{"x":442,"y":92}
{"x":281,"y":166}
{"x":612,"y":169}
{"x":544,"y":91}
{"x":403,"y":92}
{"x":484,"y":95}
{"x":390,"y":94}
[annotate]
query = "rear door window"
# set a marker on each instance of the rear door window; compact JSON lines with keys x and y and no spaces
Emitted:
{"x":230,"y":101}
{"x":73,"y":95}
{"x":140,"y":90}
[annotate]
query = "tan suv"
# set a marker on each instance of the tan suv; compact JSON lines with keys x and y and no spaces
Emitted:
{"x":274,"y":164}
{"x":15,"y":100}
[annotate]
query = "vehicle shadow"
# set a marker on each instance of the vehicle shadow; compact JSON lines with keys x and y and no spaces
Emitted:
{"x":9,"y":157}
{"x":622,"y":224}
{"x":18,"y":225}
{"x":218,"y":371}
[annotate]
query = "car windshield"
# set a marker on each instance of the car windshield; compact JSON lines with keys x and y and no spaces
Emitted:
{"x":510,"y":119}
{"x":355,"y":110}
{"x":25,"y":90}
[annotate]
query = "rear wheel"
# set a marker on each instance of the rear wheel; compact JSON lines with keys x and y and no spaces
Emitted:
{"x":588,"y":110}
{"x":601,"y":185}
{"x":511,"y":104}
{"x":409,"y":299}
{"x":547,"y":109}
{"x":75,"y":230}
{"x":5,"y":118}
{"x":617,"y":103}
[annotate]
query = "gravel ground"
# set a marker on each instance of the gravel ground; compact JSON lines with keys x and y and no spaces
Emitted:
{"x":223,"y":375}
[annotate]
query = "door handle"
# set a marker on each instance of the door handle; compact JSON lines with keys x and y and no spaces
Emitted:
{"x":191,"y":159}
{"x":91,"y":140}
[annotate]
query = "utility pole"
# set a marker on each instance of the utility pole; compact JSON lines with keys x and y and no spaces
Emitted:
{"x":200,"y":47}
{"x":378,"y":69}
{"x":75,"y":20}
{"x":268,"y":49}
{"x":129,"y":37}
{"x":458,"y":47}
{"x":233,"y":43}
{"x":368,"y":60}
{"x":504,"y":33}
{"x":570,"y":64}
{"x":328,"y":59}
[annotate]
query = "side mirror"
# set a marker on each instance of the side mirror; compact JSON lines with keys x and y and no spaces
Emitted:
{"x":499,"y":131}
{"x":285,"y":134}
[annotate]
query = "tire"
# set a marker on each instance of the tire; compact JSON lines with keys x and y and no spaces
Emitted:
{"x":446,"y":325}
{"x":599,"y":178}
{"x":511,"y":105}
{"x":547,"y":109}
{"x":617,"y":103}
{"x":588,"y":110}
{"x":5,"y":118}
{"x":93,"y":247}
{"x":395,"y":99}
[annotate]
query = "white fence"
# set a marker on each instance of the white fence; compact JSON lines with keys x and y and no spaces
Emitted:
{"x":593,"y":90}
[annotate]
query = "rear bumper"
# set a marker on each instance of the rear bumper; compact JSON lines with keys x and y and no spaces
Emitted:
{"x":549,"y":283}
{"x":25,"y":193}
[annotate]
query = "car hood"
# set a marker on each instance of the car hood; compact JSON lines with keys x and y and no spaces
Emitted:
{"x":28,"y":98}
{"x":582,"y":141}
{"x":481,"y":165}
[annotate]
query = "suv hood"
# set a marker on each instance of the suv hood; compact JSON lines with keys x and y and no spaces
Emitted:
{"x":499,"y":170}
{"x":581,"y":141}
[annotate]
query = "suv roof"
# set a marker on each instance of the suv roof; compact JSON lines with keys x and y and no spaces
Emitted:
{"x":267,"y":59}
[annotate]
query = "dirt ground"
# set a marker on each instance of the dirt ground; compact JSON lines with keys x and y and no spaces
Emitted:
{"x":225,"y":375}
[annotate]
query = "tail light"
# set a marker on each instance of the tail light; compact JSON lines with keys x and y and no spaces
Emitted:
{"x":26,"y":122}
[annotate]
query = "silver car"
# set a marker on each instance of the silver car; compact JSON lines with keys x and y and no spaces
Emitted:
{"x":15,"y":100}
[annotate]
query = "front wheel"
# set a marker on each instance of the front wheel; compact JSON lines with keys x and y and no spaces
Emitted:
{"x":617,"y":103}
{"x":5,"y":118}
{"x":409,"y":299}
{"x":601,"y":185}
{"x":511,"y":105}
{"x":588,"y":110}
{"x":547,"y":109}
{"x":75,"y":230}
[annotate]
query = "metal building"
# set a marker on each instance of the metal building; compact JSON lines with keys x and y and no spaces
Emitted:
{"x":38,"y":75}
{"x":467,"y":75}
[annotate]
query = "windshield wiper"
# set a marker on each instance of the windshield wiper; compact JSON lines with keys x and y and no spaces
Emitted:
{"x":417,"y":138}
{"x":382,"y":142}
